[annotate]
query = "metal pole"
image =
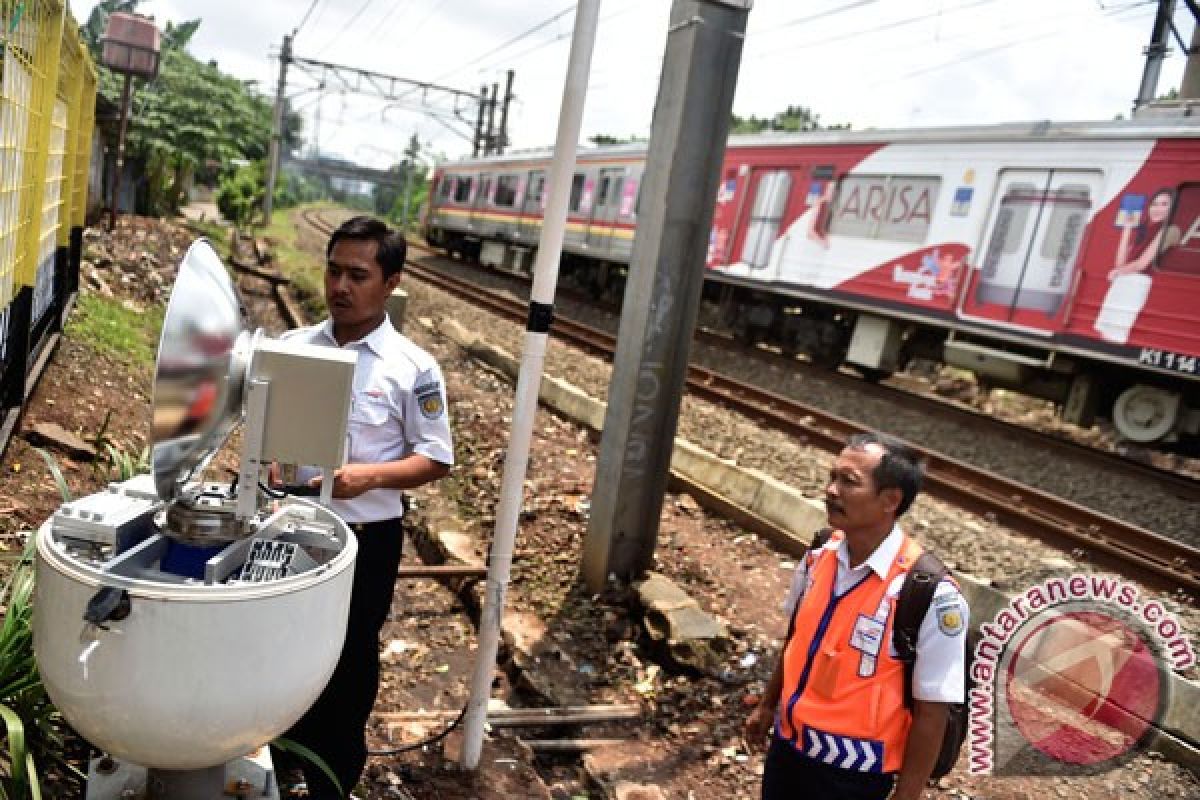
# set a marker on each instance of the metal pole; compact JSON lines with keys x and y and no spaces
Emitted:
{"x":1156,"y":53}
{"x":408,"y":182}
{"x":525,"y":402}
{"x":126,"y":92}
{"x":508,"y":96}
{"x":666,"y":275}
{"x":275,"y":151}
{"x":483,"y":101}
{"x":489,"y":138}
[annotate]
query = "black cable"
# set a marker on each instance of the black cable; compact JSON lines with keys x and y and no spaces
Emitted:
{"x":437,"y":737}
{"x":307,"y":14}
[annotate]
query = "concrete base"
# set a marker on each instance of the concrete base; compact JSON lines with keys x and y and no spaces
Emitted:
{"x":248,"y":778}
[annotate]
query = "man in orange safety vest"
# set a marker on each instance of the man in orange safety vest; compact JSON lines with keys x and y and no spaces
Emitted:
{"x":837,"y":702}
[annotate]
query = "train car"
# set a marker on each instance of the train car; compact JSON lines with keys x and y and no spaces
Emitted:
{"x":1059,"y":259}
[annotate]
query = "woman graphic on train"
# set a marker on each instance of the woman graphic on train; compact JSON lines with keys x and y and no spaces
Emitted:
{"x":1140,"y":243}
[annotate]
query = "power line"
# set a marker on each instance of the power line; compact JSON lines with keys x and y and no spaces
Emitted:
{"x":888,"y":26}
{"x":307,"y":14}
{"x":436,"y":7}
{"x":346,"y":27}
{"x":1112,"y":12}
{"x":544,"y":23}
{"x":382,"y":24}
{"x":830,"y":12}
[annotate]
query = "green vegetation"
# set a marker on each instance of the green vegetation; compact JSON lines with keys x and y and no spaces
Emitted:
{"x":306,"y":271}
{"x":240,"y":194}
{"x":188,"y":122}
{"x":125,"y":333}
{"x":793,"y":119}
{"x":29,"y":732}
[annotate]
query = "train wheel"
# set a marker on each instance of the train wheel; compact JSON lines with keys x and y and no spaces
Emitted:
{"x":1145,"y":413}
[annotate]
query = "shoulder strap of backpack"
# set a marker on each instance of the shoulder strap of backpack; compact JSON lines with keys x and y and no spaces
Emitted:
{"x":820,"y":539}
{"x":916,"y":595}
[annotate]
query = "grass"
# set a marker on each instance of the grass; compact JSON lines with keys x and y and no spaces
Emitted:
{"x":306,"y":271}
{"x":128,"y":335}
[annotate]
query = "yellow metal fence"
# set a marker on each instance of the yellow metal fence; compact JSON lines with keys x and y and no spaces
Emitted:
{"x":47,"y":113}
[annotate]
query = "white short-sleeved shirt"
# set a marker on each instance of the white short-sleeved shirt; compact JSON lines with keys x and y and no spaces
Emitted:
{"x":398,"y":409}
{"x":938,"y":674}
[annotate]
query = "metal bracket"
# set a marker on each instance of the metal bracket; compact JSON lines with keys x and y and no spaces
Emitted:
{"x":252,"y":442}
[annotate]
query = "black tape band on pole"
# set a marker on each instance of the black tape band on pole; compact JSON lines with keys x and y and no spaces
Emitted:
{"x":541,"y":317}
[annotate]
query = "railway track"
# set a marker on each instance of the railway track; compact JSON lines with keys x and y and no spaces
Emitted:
{"x":1089,"y":535}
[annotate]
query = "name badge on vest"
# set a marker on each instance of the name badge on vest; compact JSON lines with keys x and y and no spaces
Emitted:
{"x":867,"y":638}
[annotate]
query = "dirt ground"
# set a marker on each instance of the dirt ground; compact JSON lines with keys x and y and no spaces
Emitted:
{"x":585,"y":649}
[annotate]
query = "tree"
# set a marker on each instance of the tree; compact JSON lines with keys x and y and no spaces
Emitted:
{"x":603,"y":139}
{"x":192,"y":117}
{"x":791,"y":119}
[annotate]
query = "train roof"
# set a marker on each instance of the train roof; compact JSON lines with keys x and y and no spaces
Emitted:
{"x":1043,"y":130}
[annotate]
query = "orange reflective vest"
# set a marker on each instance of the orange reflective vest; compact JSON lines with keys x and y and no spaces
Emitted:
{"x":843,"y":693}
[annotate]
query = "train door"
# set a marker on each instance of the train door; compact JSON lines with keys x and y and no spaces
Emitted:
{"x":604,"y":209}
{"x":769,"y":189}
{"x":579,"y":211}
{"x":532,"y":207}
{"x":1030,"y":249}
{"x":481,"y":200}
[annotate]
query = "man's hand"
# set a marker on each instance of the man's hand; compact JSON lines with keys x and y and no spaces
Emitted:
{"x":758,"y":726}
{"x":351,"y":480}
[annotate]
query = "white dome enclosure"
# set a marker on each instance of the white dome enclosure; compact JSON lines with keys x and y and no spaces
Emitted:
{"x":181,"y":625}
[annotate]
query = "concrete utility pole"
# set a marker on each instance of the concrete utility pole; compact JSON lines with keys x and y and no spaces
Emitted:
{"x":687,"y":146}
{"x":502,"y":143}
{"x":1156,"y":53}
{"x":276,"y":148}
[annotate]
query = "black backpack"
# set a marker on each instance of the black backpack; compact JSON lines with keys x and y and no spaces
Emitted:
{"x":912,"y":604}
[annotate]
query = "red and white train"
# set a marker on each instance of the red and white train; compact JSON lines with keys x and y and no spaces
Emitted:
{"x":1060,"y":259}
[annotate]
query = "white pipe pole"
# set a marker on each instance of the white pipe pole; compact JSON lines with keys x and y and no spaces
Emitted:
{"x":545,"y":278}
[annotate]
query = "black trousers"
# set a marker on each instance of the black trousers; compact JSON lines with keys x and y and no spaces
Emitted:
{"x":335,"y":727}
{"x":789,"y":775}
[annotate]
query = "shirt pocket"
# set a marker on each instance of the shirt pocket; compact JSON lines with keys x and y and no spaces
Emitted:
{"x":370,"y":411}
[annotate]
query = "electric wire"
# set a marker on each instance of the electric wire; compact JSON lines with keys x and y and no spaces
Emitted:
{"x":304,"y":19}
{"x":346,"y":27}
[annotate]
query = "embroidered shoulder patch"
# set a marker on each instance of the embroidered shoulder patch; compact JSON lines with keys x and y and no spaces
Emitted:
{"x":950,"y":619}
{"x":429,"y":400}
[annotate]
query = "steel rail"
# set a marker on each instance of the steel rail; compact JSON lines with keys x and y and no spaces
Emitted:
{"x":1089,"y":535}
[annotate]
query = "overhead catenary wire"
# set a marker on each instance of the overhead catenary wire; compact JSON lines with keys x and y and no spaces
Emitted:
{"x":366,"y":4}
{"x":304,"y":19}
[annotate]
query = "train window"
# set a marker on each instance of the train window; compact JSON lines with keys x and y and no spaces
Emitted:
{"x":445,"y":187}
{"x":770,"y":199}
{"x":576,"y":192}
{"x":894,"y":207}
{"x":506,"y":191}
{"x":1179,"y":249}
{"x":602,"y":192}
{"x":485,"y":190}
{"x":462,"y":188}
{"x":537,"y":195}
{"x":1068,"y":208}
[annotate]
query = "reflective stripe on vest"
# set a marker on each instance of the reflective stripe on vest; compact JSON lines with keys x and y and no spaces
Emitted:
{"x":843,"y":692}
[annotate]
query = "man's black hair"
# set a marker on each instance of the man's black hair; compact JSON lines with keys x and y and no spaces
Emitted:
{"x":392,"y":248}
{"x":900,"y":468}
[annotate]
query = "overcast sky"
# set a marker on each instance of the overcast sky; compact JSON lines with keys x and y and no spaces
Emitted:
{"x":871,"y":63}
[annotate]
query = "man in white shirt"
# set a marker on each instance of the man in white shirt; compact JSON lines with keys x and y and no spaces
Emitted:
{"x":842,"y":728}
{"x":398,"y":438}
